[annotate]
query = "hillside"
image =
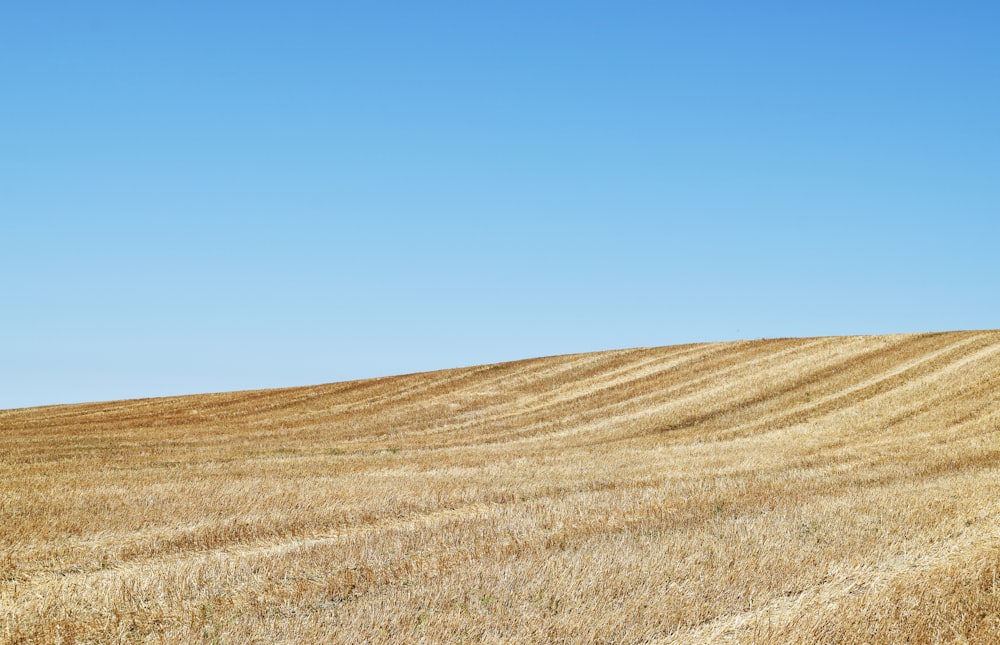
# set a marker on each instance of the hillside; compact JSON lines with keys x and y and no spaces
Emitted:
{"x":798,"y":490}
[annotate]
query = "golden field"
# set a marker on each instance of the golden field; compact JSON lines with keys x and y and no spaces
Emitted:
{"x":826,"y":490}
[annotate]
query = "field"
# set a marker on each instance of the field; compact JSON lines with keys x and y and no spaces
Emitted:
{"x":834,"y":490}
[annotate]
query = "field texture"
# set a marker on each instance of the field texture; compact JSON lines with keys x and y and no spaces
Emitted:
{"x":834,"y":490}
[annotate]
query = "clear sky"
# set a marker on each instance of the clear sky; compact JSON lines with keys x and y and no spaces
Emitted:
{"x":207,"y":196}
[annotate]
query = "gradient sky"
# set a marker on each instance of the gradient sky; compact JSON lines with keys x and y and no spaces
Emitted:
{"x":206,"y":196}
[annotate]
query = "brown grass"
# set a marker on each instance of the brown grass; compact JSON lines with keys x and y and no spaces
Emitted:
{"x":836,"y":490}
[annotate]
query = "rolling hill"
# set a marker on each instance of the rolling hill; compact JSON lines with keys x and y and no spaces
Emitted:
{"x":836,"y":490}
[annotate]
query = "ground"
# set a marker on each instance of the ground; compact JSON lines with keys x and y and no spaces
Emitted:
{"x":837,"y":490}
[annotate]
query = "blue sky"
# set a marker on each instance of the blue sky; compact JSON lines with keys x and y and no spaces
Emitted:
{"x":208,"y":196}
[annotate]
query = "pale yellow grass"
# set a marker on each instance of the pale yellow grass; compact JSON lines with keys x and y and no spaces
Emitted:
{"x":835,"y":490}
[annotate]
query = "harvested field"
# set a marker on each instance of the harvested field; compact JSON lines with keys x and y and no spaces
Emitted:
{"x":835,"y":490}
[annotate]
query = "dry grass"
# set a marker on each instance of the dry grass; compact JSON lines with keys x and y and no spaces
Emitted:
{"x":837,"y":490}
